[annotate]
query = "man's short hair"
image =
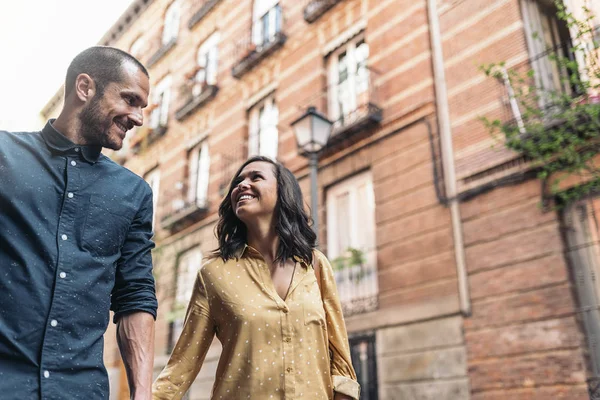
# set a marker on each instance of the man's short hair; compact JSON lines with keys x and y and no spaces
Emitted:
{"x":103,"y":64}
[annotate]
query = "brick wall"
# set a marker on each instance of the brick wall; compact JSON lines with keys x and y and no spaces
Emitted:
{"x":522,"y":340}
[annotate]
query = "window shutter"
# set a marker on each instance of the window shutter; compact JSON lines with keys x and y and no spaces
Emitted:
{"x":203,"y":176}
{"x":194,"y":158}
{"x":253,"y":133}
{"x":269,"y":135}
{"x":164,"y":106}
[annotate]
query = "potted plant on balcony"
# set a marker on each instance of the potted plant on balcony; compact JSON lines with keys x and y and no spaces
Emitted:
{"x":562,"y":138}
{"x":351,"y":265}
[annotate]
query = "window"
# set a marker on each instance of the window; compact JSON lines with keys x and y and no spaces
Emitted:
{"x":263,"y":135}
{"x":171,"y":26}
{"x":351,"y":242}
{"x":364,"y":360}
{"x":153,"y":179}
{"x":266,"y":21}
{"x":137,"y":47}
{"x":160,"y":103}
{"x":199,"y":164}
{"x":547,"y":37}
{"x":187,"y":267}
{"x":208,"y":60}
{"x":348,"y":81}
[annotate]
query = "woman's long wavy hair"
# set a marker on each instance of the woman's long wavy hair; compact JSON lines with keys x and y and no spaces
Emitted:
{"x":296,"y":238}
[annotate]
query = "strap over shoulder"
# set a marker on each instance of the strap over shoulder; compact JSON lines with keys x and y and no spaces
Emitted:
{"x":317,"y":267}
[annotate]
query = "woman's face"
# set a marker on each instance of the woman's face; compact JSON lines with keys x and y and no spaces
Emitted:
{"x":254,"y":191}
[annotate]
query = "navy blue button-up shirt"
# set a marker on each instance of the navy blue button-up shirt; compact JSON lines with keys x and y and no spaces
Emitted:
{"x":75,"y":241}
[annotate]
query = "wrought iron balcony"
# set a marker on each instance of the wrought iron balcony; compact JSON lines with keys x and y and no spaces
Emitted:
{"x":145,"y":136}
{"x":194,"y":94}
{"x":353,"y":105}
{"x":316,"y":8}
{"x":161,"y":50}
{"x":357,"y":282}
{"x":180,"y":209}
{"x":544,"y":81}
{"x":203,"y":10}
{"x":264,"y":40}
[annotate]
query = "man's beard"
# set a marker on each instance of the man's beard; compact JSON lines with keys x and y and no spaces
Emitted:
{"x":95,"y":127}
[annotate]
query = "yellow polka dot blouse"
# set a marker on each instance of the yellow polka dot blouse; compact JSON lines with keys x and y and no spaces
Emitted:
{"x":272,"y":349}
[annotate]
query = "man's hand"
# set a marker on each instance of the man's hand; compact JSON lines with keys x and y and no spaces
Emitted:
{"x":339,"y":396}
{"x":135,"y":336}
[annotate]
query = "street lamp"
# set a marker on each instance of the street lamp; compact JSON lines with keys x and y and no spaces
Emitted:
{"x":312,"y":132}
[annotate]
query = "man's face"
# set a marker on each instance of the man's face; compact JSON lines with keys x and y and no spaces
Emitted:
{"x":108,"y":116}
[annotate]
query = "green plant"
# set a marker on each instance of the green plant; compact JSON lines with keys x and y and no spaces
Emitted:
{"x":557,"y":130}
{"x":352,"y":257}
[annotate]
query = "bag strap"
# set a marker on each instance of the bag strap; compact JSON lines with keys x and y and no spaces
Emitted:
{"x":317,"y":268}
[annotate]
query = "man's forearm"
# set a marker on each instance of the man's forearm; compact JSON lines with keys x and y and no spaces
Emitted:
{"x":135,"y":336}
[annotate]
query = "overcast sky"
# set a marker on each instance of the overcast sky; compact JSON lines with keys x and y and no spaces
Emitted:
{"x":38,"y":40}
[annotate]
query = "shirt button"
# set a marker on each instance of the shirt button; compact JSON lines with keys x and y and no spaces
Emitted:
{"x":54,"y":322}
{"x":64,"y":237}
{"x":288,"y":340}
{"x":63,"y":275}
{"x":70,"y":195}
{"x":77,"y":149}
{"x":73,"y":163}
{"x":289,"y":369}
{"x":46,"y":374}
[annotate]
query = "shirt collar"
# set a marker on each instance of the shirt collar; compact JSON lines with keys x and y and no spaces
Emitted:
{"x":59,"y":143}
{"x":246,"y":250}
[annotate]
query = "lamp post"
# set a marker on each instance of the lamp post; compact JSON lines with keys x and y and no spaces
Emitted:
{"x":312,"y":132}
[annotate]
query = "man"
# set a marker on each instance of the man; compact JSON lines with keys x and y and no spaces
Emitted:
{"x":75,"y":241}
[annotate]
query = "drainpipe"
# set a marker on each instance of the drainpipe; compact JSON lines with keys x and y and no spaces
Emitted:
{"x":443,"y":117}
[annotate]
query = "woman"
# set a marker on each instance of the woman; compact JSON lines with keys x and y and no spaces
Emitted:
{"x":281,"y":328}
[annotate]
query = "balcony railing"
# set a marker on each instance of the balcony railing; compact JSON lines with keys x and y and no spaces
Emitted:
{"x":544,"y":81}
{"x":261,"y":43}
{"x":203,"y":10}
{"x":357,"y":282}
{"x":179,"y":209}
{"x":159,"y":50}
{"x":145,"y":136}
{"x":316,"y":8}
{"x":194,"y":94}
{"x":354,"y":105}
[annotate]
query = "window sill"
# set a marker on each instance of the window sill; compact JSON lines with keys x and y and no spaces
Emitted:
{"x":316,"y":8}
{"x":254,"y":56}
{"x":189,"y":213}
{"x":202,"y":12}
{"x":160,"y":53}
{"x":195,"y":102}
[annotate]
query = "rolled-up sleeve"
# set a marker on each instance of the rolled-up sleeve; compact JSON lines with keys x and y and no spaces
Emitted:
{"x":342,"y":371}
{"x":134,"y":288}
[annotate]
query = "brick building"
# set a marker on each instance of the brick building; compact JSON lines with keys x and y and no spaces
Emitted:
{"x":467,"y":288}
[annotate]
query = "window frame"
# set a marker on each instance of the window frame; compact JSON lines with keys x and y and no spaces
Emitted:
{"x":266,"y":21}
{"x":263,"y":120}
{"x":161,"y":97}
{"x":357,"y":86}
{"x":370,"y":390}
{"x":171,"y":23}
{"x":358,"y":223}
{"x":199,"y":174}
{"x":152,"y":177}
{"x":207,"y":60}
